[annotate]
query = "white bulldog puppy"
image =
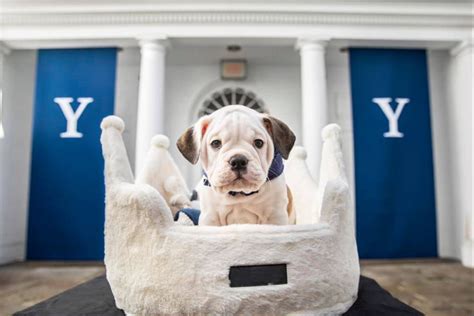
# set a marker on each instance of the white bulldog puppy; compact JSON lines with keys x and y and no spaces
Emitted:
{"x":241,"y":154}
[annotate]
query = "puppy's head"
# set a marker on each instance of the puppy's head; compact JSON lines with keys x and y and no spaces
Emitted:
{"x":236,"y":146}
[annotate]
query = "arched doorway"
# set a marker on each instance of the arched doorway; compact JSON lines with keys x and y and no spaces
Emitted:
{"x":231,"y":96}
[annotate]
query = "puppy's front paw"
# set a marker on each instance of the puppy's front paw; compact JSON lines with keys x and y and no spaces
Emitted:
{"x":179,"y":201}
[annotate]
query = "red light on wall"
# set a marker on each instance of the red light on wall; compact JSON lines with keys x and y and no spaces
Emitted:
{"x":233,"y":69}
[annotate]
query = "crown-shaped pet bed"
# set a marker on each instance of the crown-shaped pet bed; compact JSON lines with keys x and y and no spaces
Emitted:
{"x":156,"y":266}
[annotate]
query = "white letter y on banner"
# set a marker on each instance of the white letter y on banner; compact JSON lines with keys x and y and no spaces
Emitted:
{"x":392,"y":117}
{"x":71,"y":116}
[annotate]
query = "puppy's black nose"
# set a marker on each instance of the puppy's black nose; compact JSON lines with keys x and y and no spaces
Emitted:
{"x":238,"y":162}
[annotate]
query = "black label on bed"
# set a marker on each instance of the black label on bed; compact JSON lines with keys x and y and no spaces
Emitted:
{"x":258,"y":275}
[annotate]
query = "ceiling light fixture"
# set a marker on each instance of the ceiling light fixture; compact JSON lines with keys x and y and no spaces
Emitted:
{"x":234,"y":48}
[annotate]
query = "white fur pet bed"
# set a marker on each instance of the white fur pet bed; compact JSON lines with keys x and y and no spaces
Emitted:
{"x":156,"y":266}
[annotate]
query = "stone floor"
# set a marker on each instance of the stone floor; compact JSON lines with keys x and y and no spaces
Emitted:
{"x":435,"y":287}
{"x":27,"y":283}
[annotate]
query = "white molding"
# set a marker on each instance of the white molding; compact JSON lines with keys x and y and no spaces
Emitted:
{"x":159,"y":42}
{"x":464,"y":46}
{"x":286,"y":18}
{"x":123,"y":36}
{"x":305,"y":43}
{"x":102,"y":6}
{"x":74,"y":23}
{"x":153,"y":37}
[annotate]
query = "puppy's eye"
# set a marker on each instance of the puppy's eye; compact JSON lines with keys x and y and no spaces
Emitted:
{"x":216,"y":144}
{"x":258,"y":143}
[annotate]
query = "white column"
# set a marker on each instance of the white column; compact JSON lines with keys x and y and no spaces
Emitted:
{"x":314,"y":99}
{"x":460,"y":104}
{"x":150,"y":116}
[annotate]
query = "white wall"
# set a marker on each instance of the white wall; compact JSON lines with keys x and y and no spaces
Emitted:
{"x":451,"y":120}
{"x":460,"y":103}
{"x":448,"y":216}
{"x":340,"y":105}
{"x":15,"y":153}
{"x":126,"y":95}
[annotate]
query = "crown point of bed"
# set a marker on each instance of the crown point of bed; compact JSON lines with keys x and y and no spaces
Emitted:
{"x":298,"y":152}
{"x":331,"y":130}
{"x":160,"y":141}
{"x":114,"y":122}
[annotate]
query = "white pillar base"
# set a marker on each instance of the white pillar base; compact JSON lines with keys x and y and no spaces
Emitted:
{"x":468,"y":253}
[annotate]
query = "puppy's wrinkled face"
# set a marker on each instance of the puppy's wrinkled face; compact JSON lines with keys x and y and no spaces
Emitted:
{"x":237,"y":152}
{"x":236,"y":147}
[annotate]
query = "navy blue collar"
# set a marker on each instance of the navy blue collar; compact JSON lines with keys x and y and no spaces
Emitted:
{"x":276,"y":169}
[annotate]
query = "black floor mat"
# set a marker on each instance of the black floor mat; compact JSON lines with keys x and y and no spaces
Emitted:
{"x":95,"y":298}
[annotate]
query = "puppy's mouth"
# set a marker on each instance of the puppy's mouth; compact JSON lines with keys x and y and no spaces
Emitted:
{"x":239,"y":187}
{"x":239,"y":176}
{"x":241,"y":182}
{"x":237,"y":183}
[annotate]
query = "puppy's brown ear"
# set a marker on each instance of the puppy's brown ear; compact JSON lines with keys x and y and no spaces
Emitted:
{"x":187,"y":145}
{"x":282,"y":136}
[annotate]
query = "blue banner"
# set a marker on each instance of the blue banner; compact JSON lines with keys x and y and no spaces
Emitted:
{"x":395,"y":200}
{"x":74,"y":91}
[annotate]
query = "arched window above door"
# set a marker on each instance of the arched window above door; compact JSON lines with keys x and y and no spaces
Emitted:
{"x":231,"y":96}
